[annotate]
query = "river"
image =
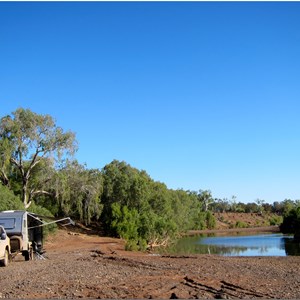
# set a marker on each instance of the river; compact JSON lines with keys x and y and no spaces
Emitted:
{"x":239,"y":244}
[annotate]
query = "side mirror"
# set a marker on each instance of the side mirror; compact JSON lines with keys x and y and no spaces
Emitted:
{"x":3,"y":236}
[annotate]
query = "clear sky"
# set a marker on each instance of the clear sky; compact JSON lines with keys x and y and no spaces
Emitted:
{"x":201,"y":95}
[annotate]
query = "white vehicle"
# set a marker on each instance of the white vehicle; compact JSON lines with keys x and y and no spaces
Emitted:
{"x":4,"y":247}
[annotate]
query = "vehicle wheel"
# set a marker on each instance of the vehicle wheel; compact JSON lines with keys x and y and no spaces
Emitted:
{"x":27,"y":255}
{"x":4,"y":262}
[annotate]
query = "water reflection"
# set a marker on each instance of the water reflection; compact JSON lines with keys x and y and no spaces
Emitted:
{"x":238,"y":245}
{"x":292,"y":247}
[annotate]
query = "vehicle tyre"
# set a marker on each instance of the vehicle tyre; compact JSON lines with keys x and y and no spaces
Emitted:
{"x":4,"y":262}
{"x":27,"y":255}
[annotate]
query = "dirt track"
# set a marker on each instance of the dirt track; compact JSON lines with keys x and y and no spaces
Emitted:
{"x":81,"y":266}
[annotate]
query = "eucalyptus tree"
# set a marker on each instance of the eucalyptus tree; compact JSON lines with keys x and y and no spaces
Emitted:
{"x":78,"y":191}
{"x":5,"y":164}
{"x":288,"y":205}
{"x":220,"y":205}
{"x":26,"y":140}
{"x":205,"y":197}
{"x":260,"y":203}
{"x":125,"y":185}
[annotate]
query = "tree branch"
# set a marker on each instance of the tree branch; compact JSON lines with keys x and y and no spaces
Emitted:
{"x":40,"y":192}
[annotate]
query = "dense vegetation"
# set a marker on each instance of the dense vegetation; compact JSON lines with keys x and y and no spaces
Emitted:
{"x":37,"y":173}
{"x":291,"y":222}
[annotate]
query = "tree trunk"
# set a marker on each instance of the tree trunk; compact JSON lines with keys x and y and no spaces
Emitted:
{"x":25,"y":197}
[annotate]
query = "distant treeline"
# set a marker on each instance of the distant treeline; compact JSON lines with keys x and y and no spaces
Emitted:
{"x":37,"y":173}
{"x":259,"y":206}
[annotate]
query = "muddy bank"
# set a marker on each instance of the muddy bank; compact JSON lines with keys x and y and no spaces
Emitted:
{"x":81,"y":266}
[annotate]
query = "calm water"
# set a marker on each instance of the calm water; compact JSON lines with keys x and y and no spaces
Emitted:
{"x":237,"y":245}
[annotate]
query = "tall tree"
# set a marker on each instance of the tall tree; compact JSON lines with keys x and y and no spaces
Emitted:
{"x":78,"y":191}
{"x":205,"y":198}
{"x":26,"y":140}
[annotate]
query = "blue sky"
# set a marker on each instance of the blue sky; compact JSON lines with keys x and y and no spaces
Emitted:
{"x":201,"y":95}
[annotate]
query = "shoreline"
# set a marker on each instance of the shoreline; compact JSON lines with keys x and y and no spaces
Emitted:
{"x":81,"y":266}
{"x":266,"y":229}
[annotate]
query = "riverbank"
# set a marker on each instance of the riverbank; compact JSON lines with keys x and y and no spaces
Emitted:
{"x":266,"y":229}
{"x":88,"y":266}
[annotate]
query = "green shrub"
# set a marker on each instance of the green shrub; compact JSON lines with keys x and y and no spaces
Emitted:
{"x":125,"y":222}
{"x":210,"y":220}
{"x":133,"y":245}
{"x":291,"y":222}
{"x":8,"y":201}
{"x":275,"y":220}
{"x":240,"y":224}
{"x":41,"y":211}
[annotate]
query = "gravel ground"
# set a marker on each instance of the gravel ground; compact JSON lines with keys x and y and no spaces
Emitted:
{"x":82,"y":266}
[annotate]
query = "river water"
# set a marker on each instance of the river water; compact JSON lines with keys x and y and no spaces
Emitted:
{"x":237,"y":245}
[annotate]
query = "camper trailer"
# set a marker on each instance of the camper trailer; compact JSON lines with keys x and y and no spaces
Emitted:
{"x":25,"y":231}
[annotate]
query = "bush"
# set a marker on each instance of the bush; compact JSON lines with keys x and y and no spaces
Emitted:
{"x":8,"y":201}
{"x":41,"y":211}
{"x":133,"y":245}
{"x":291,"y":222}
{"x":240,"y":224}
{"x":275,"y":220}
{"x":201,"y":221}
{"x":210,"y":220}
{"x":125,"y":222}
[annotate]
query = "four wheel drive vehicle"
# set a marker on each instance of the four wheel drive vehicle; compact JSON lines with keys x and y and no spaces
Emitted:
{"x":4,"y":247}
{"x":25,"y":231}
